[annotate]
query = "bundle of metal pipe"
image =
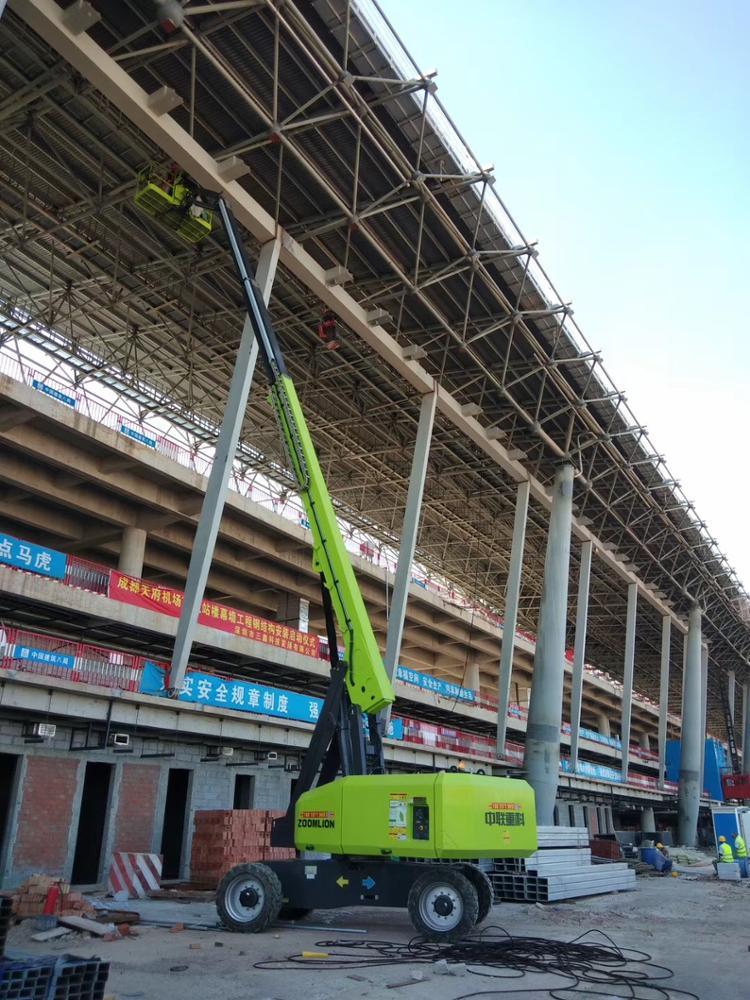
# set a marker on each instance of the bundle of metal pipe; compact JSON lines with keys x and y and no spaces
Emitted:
{"x":560,"y":869}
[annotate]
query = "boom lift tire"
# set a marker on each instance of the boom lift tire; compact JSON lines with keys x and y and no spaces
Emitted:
{"x":482,"y":884}
{"x":443,"y":904}
{"x":249,"y":898}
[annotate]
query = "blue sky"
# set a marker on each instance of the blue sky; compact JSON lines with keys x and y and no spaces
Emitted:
{"x":620,"y":135}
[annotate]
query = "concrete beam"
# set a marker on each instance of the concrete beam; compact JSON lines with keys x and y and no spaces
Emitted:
{"x":11,"y":416}
{"x":510,"y":614}
{"x":409,"y":534}
{"x":579,"y":652}
{"x":212,"y":510}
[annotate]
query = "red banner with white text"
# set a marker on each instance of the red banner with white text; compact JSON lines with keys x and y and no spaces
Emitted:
{"x":152,"y":597}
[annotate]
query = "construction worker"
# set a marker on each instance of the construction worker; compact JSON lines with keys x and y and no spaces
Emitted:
{"x":725,"y":853}
{"x":663,"y":862}
{"x":328,"y":331}
{"x":740,"y":852}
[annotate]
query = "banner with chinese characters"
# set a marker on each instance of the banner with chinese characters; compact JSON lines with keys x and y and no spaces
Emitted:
{"x":600,"y":771}
{"x":252,"y":627}
{"x":245,"y":696}
{"x":445,"y":689}
{"x":65,"y":660}
{"x":143,"y":594}
{"x":33,"y":558}
{"x":49,"y":390}
{"x":139,"y":436}
{"x":241,"y":696}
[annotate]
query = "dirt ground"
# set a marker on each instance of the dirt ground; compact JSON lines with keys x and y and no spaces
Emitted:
{"x":696,"y":928}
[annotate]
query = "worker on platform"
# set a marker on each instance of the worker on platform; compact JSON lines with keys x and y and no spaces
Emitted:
{"x":740,"y":853}
{"x":328,"y":331}
{"x":663,"y":862}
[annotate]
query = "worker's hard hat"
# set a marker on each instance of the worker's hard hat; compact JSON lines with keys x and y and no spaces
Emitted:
{"x":722,"y":840}
{"x":660,"y":846}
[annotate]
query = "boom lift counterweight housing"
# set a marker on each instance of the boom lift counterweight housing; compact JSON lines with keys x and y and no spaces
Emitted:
{"x":369,"y":821}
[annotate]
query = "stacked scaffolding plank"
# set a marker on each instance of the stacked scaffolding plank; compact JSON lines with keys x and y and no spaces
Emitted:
{"x":561,"y":868}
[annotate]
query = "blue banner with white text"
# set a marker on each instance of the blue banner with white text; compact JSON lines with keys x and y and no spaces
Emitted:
{"x":444,"y":688}
{"x":241,"y":696}
{"x":46,"y":656}
{"x":49,"y":390}
{"x":34,"y":558}
{"x":137,"y":436}
{"x":245,"y":696}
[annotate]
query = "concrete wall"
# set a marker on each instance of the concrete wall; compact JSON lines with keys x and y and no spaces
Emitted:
{"x":42,"y":826}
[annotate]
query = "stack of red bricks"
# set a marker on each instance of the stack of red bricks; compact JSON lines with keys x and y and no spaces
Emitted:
{"x":608,"y":849}
{"x":30,"y":897}
{"x":224,"y":838}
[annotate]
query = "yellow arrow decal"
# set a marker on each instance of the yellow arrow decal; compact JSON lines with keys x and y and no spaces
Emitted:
{"x":341,"y":881}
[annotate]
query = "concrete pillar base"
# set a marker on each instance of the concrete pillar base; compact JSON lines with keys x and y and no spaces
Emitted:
{"x":648,"y":821}
{"x":471,"y":676}
{"x":602,"y":724}
{"x":132,"y":551}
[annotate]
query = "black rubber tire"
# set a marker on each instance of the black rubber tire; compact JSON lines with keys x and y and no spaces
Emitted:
{"x":269,"y":903}
{"x":454,"y":879}
{"x":294,"y":913}
{"x":482,"y":884}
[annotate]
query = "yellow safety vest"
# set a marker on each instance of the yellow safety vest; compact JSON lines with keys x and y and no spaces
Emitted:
{"x":740,"y":848}
{"x":725,"y":853}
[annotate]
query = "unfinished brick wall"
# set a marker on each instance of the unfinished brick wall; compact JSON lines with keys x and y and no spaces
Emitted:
{"x":46,"y":815}
{"x":136,"y":810}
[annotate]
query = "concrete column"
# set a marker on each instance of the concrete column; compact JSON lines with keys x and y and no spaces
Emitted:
{"x":731,"y":692}
{"x":648,"y":820}
{"x":409,"y":532}
{"x":627,"y":682}
{"x":218,"y":481}
{"x":579,"y":652}
{"x":691,"y":751}
{"x":510,"y":615}
{"x":602,"y":724}
{"x":644,"y":742}
{"x":132,"y":551}
{"x":666,"y":638}
{"x":704,"y":706}
{"x":288,"y":612}
{"x":471,"y":677}
{"x":542,"y":760}
{"x":745,"y":729}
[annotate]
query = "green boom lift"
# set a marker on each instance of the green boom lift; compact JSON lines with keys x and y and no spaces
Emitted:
{"x":380,"y":830}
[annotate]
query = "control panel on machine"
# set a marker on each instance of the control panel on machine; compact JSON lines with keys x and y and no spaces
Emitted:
{"x":420,"y":824}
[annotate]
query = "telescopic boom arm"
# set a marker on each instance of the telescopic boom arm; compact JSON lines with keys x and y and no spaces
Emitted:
{"x":367,"y":682}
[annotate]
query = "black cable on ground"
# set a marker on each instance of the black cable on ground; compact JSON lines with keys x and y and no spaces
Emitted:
{"x":581,"y":965}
